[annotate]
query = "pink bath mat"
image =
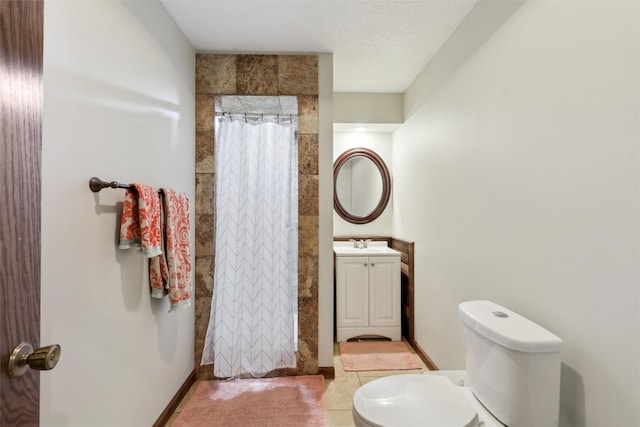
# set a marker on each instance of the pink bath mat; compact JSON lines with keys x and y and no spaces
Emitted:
{"x":377,"y":356}
{"x":269,"y":402}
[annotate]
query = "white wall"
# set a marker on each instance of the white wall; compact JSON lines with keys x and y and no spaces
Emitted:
{"x":118,"y":104}
{"x":518,"y":179}
{"x":356,"y":107}
{"x":325,"y":224}
{"x":380,"y":142}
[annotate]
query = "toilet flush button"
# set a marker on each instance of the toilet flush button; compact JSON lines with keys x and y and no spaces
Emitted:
{"x":500,"y":314}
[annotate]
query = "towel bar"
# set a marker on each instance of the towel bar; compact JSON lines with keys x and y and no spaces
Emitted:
{"x":96,"y":184}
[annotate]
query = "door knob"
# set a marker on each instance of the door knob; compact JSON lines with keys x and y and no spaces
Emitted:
{"x":24,"y":357}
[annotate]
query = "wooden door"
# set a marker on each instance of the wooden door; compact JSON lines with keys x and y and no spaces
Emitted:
{"x":21,"y":30}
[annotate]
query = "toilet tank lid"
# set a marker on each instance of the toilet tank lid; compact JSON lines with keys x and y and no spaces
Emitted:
{"x":508,"y":329}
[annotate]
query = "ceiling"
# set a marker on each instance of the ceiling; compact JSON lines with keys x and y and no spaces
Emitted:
{"x":377,"y":45}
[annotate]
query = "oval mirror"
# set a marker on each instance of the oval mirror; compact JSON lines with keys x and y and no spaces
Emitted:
{"x":361,"y":185}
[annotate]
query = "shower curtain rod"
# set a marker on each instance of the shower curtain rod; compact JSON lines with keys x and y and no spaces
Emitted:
{"x":257,"y":115}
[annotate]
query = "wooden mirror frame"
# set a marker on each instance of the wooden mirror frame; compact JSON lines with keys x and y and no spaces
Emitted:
{"x":386,"y":185}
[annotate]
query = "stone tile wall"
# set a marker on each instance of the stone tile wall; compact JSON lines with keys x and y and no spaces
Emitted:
{"x":259,"y":75}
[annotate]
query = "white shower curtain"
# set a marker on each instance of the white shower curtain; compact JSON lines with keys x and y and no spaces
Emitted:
{"x":253,"y":321}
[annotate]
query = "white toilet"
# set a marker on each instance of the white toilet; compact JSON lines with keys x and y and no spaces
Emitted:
{"x":512,"y":379}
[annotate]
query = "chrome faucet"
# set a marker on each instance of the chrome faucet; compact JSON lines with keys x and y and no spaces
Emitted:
{"x":360,"y":244}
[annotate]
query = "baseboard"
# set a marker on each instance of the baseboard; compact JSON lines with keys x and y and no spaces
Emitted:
{"x":164,"y":418}
{"x":328,"y":372}
{"x":423,"y":355}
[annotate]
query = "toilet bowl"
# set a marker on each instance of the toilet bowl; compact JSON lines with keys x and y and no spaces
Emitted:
{"x":512,"y":378}
{"x":419,"y":400}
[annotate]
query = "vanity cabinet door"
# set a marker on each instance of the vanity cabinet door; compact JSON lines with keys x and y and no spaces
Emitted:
{"x":352,"y":291}
{"x":384,"y":289}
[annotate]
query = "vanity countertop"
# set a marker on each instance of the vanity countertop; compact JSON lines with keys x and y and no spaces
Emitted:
{"x":372,"y":249}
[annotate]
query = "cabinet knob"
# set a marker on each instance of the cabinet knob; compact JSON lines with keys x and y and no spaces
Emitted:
{"x":372,"y":264}
{"x":365,"y":264}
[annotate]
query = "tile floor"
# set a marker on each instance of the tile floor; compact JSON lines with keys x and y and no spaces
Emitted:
{"x":338,"y":391}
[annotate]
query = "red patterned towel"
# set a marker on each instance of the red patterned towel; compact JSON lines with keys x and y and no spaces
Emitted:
{"x":130,"y":222}
{"x":141,"y":220}
{"x":178,"y":249}
{"x":142,"y":227}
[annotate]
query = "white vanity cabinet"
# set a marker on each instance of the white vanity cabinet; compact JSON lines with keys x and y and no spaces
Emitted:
{"x":367,"y":293}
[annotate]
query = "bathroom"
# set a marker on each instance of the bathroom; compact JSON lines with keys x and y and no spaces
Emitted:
{"x":515,"y":172}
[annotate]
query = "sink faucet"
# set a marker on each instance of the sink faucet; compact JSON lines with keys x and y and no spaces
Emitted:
{"x":360,"y":244}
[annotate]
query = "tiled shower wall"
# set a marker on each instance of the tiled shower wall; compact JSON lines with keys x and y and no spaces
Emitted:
{"x":259,"y":75}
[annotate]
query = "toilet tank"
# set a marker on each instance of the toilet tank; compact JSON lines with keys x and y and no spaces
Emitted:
{"x":513,"y":364}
